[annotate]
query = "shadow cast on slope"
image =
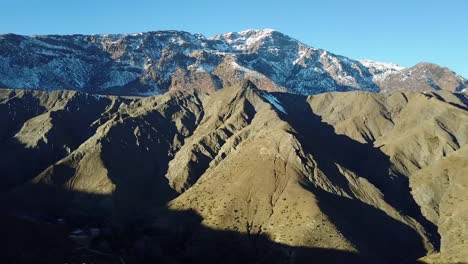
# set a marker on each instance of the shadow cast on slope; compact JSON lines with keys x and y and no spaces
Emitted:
{"x":374,"y":233}
{"x":463,"y":98}
{"x":45,"y":235}
{"x":136,"y":166}
{"x":328,"y":149}
{"x":205,"y":152}
{"x":136,"y":154}
{"x":167,"y":236}
{"x":69,"y":129}
{"x":460,"y":97}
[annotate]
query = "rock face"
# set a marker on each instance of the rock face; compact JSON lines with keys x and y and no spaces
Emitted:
{"x":155,"y":62}
{"x":422,"y":77}
{"x":239,"y":175}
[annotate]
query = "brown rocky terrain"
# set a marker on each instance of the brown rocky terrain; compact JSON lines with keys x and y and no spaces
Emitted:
{"x":422,"y":77}
{"x":237,"y":175}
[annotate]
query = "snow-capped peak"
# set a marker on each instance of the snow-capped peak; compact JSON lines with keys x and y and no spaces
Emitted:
{"x":245,"y":33}
{"x":266,"y":31}
{"x":381,"y":70}
{"x":381,"y":66}
{"x":246,"y":39}
{"x":159,"y":60}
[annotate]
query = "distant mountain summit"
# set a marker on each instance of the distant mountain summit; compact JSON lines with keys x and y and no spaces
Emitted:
{"x":422,"y":77}
{"x":155,"y":62}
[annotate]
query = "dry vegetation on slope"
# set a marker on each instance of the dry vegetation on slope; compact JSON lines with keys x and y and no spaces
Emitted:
{"x":241,"y":174}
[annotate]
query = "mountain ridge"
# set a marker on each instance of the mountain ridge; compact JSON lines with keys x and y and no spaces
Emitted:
{"x":154,"y":62}
{"x":289,"y":169}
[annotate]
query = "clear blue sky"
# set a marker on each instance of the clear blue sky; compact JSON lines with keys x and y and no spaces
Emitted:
{"x":400,"y":31}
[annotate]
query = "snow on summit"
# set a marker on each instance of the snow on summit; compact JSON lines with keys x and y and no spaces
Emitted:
{"x":381,"y":65}
{"x":142,"y":63}
{"x":244,"y":40}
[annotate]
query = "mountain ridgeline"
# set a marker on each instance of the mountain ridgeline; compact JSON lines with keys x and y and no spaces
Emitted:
{"x":156,"y":62}
{"x":238,"y":175}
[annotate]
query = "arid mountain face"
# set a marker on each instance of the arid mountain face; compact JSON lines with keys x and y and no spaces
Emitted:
{"x":238,"y":175}
{"x":155,"y":62}
{"x":422,"y":77}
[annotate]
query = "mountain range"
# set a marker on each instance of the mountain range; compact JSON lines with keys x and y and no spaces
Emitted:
{"x":238,"y":175}
{"x":155,"y":62}
{"x":244,"y":147}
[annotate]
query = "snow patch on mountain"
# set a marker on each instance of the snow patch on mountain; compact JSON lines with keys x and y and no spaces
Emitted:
{"x":381,"y":66}
{"x":244,"y":40}
{"x":97,"y":62}
{"x":275,"y":102}
{"x":119,"y":78}
{"x":382,"y":70}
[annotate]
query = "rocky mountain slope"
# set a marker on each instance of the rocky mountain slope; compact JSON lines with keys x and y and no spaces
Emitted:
{"x":155,"y":62}
{"x":421,"y":77}
{"x":238,"y":175}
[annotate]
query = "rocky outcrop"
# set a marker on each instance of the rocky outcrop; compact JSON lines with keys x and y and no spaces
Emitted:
{"x":422,"y":77}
